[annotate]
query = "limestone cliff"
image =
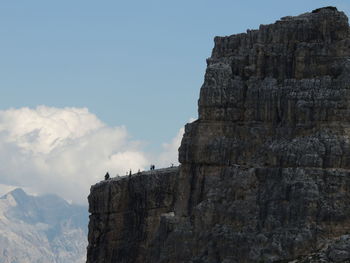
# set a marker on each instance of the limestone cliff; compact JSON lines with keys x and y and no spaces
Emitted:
{"x":264,"y":173}
{"x":126,"y":213}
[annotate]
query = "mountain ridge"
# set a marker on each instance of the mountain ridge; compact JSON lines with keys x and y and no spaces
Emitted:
{"x":41,"y":229}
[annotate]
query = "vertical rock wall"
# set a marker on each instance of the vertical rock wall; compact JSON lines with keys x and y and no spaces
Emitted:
{"x":126,"y":212}
{"x":264,"y":173}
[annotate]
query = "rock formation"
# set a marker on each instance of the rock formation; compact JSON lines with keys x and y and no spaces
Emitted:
{"x":126,"y":213}
{"x":264,"y":174}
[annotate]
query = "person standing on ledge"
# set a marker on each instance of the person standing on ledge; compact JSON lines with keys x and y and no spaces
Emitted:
{"x":107,"y":176}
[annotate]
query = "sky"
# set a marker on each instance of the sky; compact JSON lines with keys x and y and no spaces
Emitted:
{"x":93,"y":86}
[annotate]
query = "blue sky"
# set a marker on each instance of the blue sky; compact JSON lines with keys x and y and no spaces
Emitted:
{"x":133,"y":63}
{"x":94,"y":86}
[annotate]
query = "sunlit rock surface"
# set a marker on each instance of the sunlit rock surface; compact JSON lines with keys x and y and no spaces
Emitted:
{"x":264,"y":173}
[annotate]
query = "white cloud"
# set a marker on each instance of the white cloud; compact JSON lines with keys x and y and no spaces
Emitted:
{"x":169,"y":155}
{"x":66,"y":150}
{"x":6,"y":188}
{"x":170,"y":151}
{"x":43,"y":129}
{"x":62,"y":151}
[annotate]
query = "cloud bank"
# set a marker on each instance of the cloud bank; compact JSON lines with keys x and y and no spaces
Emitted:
{"x":66,"y":150}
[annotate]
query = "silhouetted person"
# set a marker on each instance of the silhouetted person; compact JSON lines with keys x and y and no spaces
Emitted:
{"x":107,"y":176}
{"x":130,"y":172}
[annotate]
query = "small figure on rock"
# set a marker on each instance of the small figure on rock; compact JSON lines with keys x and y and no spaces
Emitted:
{"x":152,"y":167}
{"x":107,"y":176}
{"x":130,"y":172}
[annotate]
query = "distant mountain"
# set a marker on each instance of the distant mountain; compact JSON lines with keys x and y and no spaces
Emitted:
{"x":41,"y":229}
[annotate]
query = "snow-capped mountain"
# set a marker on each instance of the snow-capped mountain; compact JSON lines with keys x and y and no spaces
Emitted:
{"x":41,"y":229}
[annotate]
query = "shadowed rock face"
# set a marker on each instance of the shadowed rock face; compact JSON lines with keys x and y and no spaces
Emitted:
{"x":126,"y":212}
{"x":277,"y":96}
{"x":264,"y":173}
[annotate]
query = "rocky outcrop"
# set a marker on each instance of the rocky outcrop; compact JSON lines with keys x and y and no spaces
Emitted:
{"x":264,"y":173}
{"x":126,"y":213}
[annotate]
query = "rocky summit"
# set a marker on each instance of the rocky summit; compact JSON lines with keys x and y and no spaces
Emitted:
{"x":265,"y":170}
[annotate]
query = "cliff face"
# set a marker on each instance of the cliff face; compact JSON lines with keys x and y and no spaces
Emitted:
{"x":264,"y":172}
{"x":126,"y":213}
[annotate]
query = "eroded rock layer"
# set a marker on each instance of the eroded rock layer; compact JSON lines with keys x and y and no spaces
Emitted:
{"x":264,"y":173}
